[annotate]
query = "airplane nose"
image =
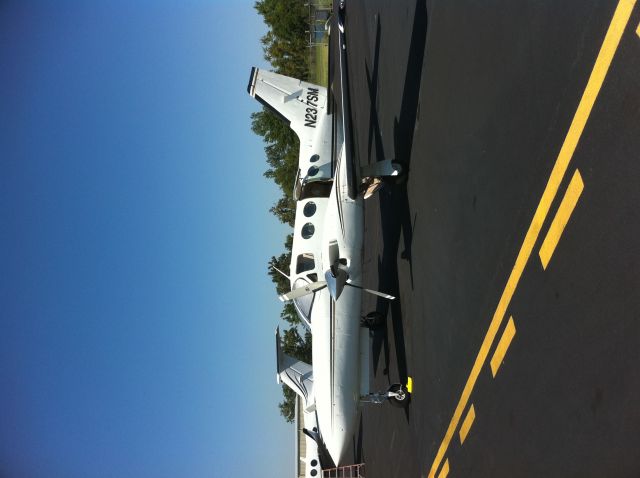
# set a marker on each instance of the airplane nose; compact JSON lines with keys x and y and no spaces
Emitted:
{"x":336,"y":279}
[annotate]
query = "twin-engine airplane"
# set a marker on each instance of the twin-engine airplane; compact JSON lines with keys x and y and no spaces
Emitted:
{"x":326,"y":265}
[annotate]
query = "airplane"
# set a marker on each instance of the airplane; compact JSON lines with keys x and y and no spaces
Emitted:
{"x":326,"y":262}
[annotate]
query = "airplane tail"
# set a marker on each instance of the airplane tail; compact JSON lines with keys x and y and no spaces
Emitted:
{"x":302,"y":105}
{"x":297,"y":375}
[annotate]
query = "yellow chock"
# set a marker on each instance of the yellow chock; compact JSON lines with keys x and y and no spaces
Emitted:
{"x":409,"y":385}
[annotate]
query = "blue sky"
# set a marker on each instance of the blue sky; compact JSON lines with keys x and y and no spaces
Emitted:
{"x":136,"y":314}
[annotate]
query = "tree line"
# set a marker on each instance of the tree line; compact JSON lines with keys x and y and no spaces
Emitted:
{"x":285,"y":47}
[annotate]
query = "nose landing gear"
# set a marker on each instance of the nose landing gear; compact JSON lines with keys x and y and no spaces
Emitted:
{"x":397,"y":394}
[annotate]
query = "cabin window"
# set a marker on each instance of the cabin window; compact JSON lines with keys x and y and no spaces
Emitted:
{"x":313,"y":170}
{"x":307,"y":230}
{"x":314,"y":472}
{"x":314,"y":158}
{"x":305,"y":263}
{"x":309,"y":209}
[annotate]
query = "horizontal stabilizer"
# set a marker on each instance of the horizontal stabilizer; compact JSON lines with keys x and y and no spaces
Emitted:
{"x":296,"y":374}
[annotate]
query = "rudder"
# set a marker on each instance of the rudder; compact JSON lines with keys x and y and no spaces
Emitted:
{"x":300,"y":104}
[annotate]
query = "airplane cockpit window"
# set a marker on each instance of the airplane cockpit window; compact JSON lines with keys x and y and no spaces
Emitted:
{"x":303,"y":304}
{"x":307,"y":230}
{"x":305,"y":263}
{"x":309,"y":209}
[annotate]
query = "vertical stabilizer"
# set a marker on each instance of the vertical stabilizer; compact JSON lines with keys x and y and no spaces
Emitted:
{"x":300,"y":104}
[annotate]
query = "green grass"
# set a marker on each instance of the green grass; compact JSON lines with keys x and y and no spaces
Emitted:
{"x":319,"y":54}
{"x":319,"y":65}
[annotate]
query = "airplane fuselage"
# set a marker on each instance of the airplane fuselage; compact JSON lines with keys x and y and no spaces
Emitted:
{"x":328,"y":232}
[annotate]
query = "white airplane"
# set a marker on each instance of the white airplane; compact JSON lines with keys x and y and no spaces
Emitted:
{"x":326,"y":264}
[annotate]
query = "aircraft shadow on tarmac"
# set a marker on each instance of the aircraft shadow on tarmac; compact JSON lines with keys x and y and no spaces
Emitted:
{"x":395,"y":213}
{"x":357,"y":444}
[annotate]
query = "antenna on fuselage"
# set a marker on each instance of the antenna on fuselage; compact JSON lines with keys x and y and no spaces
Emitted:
{"x":278,"y":270}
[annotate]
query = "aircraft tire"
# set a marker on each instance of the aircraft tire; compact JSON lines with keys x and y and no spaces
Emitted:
{"x":396,"y":402}
{"x":402,"y":177}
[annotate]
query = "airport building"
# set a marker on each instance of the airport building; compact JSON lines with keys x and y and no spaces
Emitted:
{"x":300,"y":442}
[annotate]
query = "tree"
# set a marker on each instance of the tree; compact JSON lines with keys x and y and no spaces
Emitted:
{"x":295,"y":345}
{"x":282,"y":148}
{"x":288,"y":405}
{"x":288,"y":242}
{"x":285,"y":48}
{"x":285,"y":44}
{"x":285,"y":210}
{"x":289,"y":314}
{"x":281,"y":263}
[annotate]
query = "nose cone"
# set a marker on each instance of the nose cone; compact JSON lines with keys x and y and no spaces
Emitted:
{"x":336,"y":280}
{"x":340,"y":442}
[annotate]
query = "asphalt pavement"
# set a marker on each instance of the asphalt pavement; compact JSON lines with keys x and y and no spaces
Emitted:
{"x":513,"y":245}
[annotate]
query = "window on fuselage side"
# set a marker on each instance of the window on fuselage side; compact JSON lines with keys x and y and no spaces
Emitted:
{"x":305,"y":263}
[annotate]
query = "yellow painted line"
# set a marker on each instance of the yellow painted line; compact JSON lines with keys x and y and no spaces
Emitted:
{"x":600,"y":68}
{"x":561,"y":219}
{"x":638,"y":30}
{"x":466,"y":424}
{"x":445,"y":470}
{"x":503,"y":345}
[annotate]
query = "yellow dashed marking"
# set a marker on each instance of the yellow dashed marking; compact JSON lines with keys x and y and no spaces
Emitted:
{"x":561,"y":219}
{"x":503,"y":345}
{"x":466,"y":424}
{"x":445,"y":470}
{"x":603,"y":61}
{"x":638,"y":30}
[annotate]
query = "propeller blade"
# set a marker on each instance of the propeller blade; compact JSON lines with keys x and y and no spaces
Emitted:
{"x":301,"y":291}
{"x":374,"y":292}
{"x":379,"y":294}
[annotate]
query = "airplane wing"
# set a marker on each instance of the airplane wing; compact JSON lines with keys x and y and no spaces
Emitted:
{"x":348,"y":151}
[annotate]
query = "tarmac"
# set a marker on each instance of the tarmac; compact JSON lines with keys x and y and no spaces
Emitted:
{"x":513,"y":243}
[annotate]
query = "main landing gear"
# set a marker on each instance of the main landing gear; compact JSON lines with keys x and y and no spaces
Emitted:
{"x":373,"y":175}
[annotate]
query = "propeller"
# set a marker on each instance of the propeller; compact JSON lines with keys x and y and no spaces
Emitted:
{"x":336,"y":279}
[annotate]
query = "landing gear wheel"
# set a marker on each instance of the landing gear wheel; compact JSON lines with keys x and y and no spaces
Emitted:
{"x":403,"y":173}
{"x":372,"y":320}
{"x":402,"y":397}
